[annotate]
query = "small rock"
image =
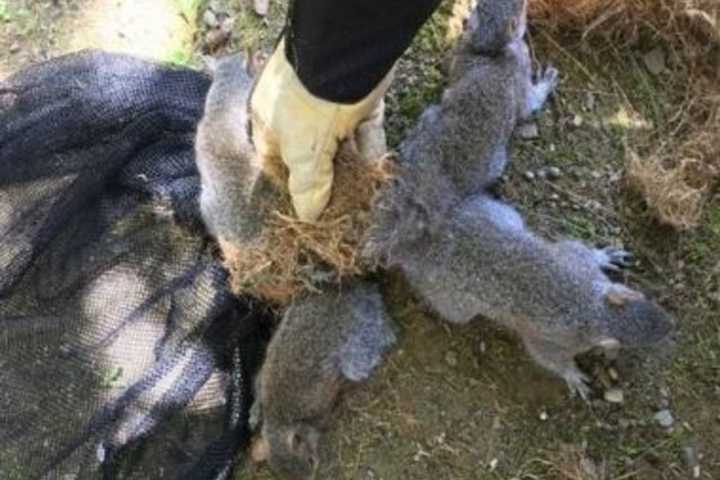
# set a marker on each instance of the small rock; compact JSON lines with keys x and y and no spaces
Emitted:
{"x":577,"y":121}
{"x":15,"y":47}
{"x":554,"y":197}
{"x":655,"y":61}
{"x":664,"y":418}
{"x":596,"y":175}
{"x":614,"y":376}
{"x":554,"y":173}
{"x":614,"y":395}
{"x":530,"y":176}
{"x":210,"y":19}
{"x":451,"y":358}
{"x":544,"y":416}
{"x":493,"y":464}
{"x":261,"y":7}
{"x":589,"y":101}
{"x":691,"y":456}
{"x":552,"y":147}
{"x":541,"y":174}
{"x":528,"y":131}
{"x":227,"y":24}
{"x":216,"y":6}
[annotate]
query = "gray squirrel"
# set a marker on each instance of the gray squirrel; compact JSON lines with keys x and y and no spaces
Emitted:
{"x":491,"y":89}
{"x":235,"y":193}
{"x":324,"y":344}
{"x":482,"y":260}
{"x":467,"y":254}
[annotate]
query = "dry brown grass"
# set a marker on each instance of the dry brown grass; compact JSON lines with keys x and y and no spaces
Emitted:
{"x":291,"y":256}
{"x":676,"y":177}
{"x":571,"y":462}
{"x":686,"y":22}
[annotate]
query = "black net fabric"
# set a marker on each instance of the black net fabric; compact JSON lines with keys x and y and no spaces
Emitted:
{"x":122,"y":352}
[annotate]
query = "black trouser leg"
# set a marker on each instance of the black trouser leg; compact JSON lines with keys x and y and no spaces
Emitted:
{"x":342,"y":49}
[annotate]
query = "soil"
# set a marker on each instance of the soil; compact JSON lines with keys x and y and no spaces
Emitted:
{"x":467,"y":402}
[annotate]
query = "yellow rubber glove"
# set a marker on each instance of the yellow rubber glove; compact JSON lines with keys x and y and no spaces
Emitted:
{"x":304,"y":130}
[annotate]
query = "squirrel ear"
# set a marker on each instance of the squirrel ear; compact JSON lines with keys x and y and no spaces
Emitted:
{"x":260,"y":450}
{"x":254,"y":61}
{"x":610,"y":347}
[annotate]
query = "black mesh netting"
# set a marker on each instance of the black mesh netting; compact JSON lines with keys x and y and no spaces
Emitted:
{"x":122,"y":353}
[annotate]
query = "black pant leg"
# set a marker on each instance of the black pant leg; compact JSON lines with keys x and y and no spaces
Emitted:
{"x":341,"y":49}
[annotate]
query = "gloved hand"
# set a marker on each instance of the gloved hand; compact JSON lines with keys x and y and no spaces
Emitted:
{"x":304,"y":130}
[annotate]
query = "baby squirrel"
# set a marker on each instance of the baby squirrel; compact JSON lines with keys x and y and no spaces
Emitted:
{"x":490,"y":90}
{"x":232,"y":185}
{"x":555,"y":295}
{"x":468,"y":254}
{"x":325,"y":343}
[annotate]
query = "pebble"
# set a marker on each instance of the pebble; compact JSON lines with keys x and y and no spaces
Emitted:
{"x":614,"y":376}
{"x":655,"y":61}
{"x":541,"y":174}
{"x":544,"y":416}
{"x":216,"y":5}
{"x":530,"y":176}
{"x":261,"y":7}
{"x":528,"y":131}
{"x":451,"y":358}
{"x":614,"y":395}
{"x":553,"y":173}
{"x":555,"y":197}
{"x":664,"y":418}
{"x":577,"y":121}
{"x":691,"y":456}
{"x":210,"y":19}
{"x":589,"y":101}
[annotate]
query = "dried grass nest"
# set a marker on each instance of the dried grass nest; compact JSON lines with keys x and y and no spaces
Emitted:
{"x":676,"y":177}
{"x":290,"y":256}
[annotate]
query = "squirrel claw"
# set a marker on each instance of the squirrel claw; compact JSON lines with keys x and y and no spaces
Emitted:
{"x":550,"y":76}
{"x":578,"y":383}
{"x":615,"y":259}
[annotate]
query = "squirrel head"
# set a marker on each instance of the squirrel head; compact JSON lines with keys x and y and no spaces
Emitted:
{"x":494,"y":24}
{"x":290,"y":450}
{"x":634,"y":320}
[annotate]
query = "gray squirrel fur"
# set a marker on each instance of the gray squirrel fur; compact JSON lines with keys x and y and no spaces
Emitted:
{"x":324,"y":344}
{"x":467,"y":254}
{"x":235,"y":195}
{"x":491,"y":89}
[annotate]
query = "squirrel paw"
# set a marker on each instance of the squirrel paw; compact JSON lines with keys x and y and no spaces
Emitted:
{"x":547,"y":81}
{"x":578,"y":383}
{"x":613,"y":259}
{"x":549,"y":78}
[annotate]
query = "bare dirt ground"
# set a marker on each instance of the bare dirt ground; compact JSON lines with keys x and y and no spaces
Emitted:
{"x":467,"y":403}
